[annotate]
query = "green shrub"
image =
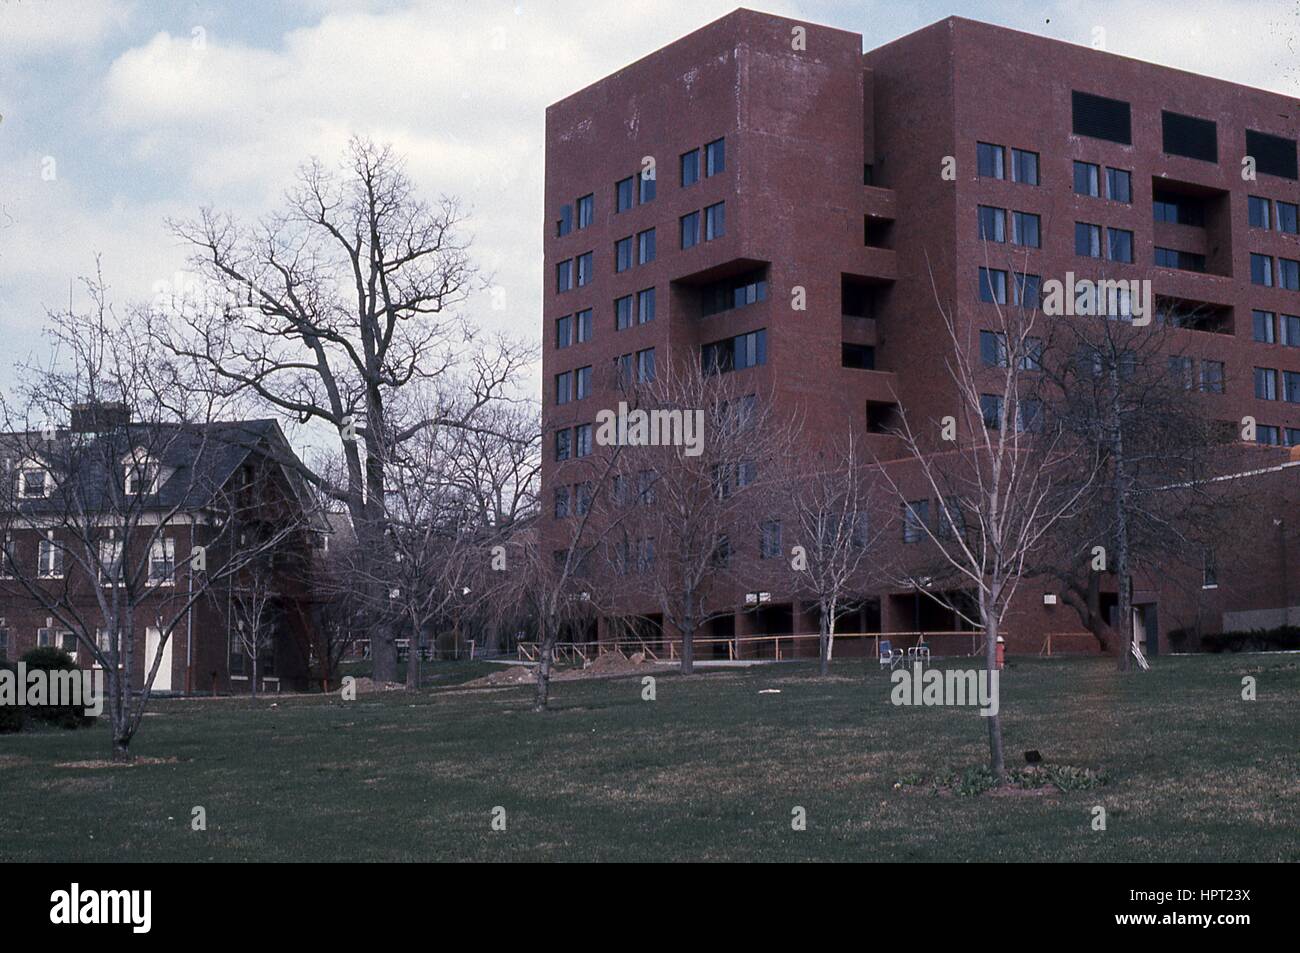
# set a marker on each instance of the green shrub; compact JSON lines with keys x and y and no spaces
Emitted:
{"x":50,"y":659}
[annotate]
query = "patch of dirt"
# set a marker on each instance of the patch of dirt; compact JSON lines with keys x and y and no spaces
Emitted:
{"x":1011,"y":791}
{"x":14,"y":760}
{"x":135,"y":763}
{"x":605,"y":666}
{"x":367,"y":684}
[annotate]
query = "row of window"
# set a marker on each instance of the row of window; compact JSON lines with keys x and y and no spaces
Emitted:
{"x":1266,"y":384}
{"x":1089,"y":176}
{"x":1268,"y":435}
{"x":1271,"y":328}
{"x":1267,"y":214}
{"x":580,"y":268}
{"x":1028,"y":416}
{"x":641,"y":364}
{"x":735,"y":353}
{"x":1088,"y":242}
{"x":575,"y":499}
{"x":991,"y":163}
{"x":640,"y":189}
{"x":995,"y":353}
{"x":573,"y":385}
{"x":573,"y":328}
{"x":993,"y":287}
{"x":1026,"y":227}
{"x":643,"y":313}
{"x":644,"y":250}
{"x":1100,"y":117}
{"x":573,"y":442}
{"x":50,"y":563}
{"x":949,"y":520}
{"x":713,"y":221}
{"x":139,"y":476}
{"x":1182,"y":369}
{"x":733,"y":293}
{"x":1269,"y":272}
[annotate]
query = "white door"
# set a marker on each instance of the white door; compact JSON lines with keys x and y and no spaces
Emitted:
{"x":163,"y":681}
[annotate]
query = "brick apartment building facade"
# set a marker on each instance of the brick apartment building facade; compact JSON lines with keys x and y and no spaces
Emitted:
{"x":786,"y":157}
{"x":216,"y":486}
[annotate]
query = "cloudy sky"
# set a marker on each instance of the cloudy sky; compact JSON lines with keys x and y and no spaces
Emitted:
{"x":118,"y":114}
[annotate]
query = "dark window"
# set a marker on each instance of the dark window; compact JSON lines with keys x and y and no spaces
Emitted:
{"x":770,"y":544}
{"x":563,"y":444}
{"x":1101,"y":118}
{"x":715,"y":157}
{"x":1289,"y":329}
{"x":991,"y":410}
{"x":1288,"y":274}
{"x":1177,"y":209}
{"x":734,"y":354}
{"x":1029,"y":415}
{"x":1263,"y":324}
{"x":624,"y":192}
{"x":1026,"y":229}
{"x":1028,"y":290}
{"x":645,"y":246}
{"x":1024,"y":167}
{"x":564,"y":275}
{"x":565,"y":223}
{"x":690,"y":230}
{"x":861,"y":357}
{"x":1087,"y":179}
{"x":715,"y":221}
{"x":1267,"y":435}
{"x":622,"y":312}
{"x":647,"y":179}
{"x":1189,"y":136}
{"x":993,"y":285}
{"x":1087,"y":239}
{"x":1291,"y":386}
{"x":993,"y":224}
{"x":563,"y":331}
{"x":623,"y":254}
{"x":583,"y":321}
{"x":732,"y":293}
{"x":1292,"y":436}
{"x":1183,"y":260}
{"x":582,"y":382}
{"x":645,"y":366}
{"x":1259,"y":212}
{"x":1274,"y":155}
{"x":916,"y":515}
{"x":993,"y":348}
{"x":989,"y":160}
{"x":1287,"y":217}
{"x":582,"y":440}
{"x":564,"y":387}
{"x":1261,"y":270}
{"x":1119,"y":186}
{"x":561,"y":502}
{"x":584,"y":269}
{"x":586,"y":210}
{"x":690,"y":167}
{"x":1119,"y":244}
{"x":1212,"y":377}
{"x":1265,"y":383}
{"x":645,"y":306}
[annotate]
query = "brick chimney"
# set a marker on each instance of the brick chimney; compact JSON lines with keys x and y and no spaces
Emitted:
{"x":98,"y":416}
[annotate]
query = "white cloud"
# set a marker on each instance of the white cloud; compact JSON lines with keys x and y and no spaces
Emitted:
{"x":31,"y":28}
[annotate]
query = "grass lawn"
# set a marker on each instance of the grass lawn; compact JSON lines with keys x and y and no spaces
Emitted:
{"x":711,"y":770}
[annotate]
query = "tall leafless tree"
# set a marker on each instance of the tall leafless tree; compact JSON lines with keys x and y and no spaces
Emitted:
{"x":333,"y":310}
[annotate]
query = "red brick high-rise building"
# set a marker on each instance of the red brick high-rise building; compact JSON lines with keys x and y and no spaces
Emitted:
{"x":785,"y":158}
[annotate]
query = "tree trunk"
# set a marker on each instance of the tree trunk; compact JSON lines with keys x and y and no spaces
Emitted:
{"x":542,"y":697}
{"x":688,"y":650}
{"x":989,"y":618}
{"x":413,"y":663}
{"x":253,"y":658}
{"x":824,"y":643}
{"x":119,"y":714}
{"x":383,"y":655}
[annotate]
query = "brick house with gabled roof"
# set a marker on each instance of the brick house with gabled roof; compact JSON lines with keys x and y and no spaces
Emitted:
{"x":159,"y":526}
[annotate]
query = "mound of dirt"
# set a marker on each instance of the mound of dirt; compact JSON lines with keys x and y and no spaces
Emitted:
{"x":611,"y":663}
{"x":368,"y":684}
{"x":513,"y":675}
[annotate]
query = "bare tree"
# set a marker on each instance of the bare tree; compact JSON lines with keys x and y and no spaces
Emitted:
{"x":332,"y":311}
{"x":124,"y":478}
{"x":831,"y":502}
{"x":1123,"y":390}
{"x":252,"y":603}
{"x":695,"y":505}
{"x":999,"y":482}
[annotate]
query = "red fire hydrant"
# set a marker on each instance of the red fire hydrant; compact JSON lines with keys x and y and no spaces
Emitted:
{"x":1001,"y":652}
